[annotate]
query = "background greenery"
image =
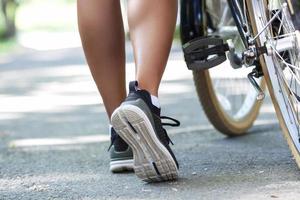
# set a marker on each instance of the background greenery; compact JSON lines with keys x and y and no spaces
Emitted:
{"x":46,"y":15}
{"x":34,"y":16}
{"x":42,"y":16}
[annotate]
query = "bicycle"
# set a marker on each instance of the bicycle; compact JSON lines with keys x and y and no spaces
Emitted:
{"x":258,"y":41}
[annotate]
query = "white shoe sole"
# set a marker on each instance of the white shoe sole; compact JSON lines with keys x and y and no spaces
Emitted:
{"x":152,"y":160}
{"x":121,"y":165}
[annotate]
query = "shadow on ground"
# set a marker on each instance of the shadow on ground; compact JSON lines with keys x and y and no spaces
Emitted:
{"x":51,"y":95}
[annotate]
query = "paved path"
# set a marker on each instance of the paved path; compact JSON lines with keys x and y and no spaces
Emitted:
{"x":53,"y":139}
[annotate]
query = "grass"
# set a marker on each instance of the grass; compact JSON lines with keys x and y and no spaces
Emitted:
{"x":7,"y":46}
{"x":177,"y":34}
{"x":46,"y":15}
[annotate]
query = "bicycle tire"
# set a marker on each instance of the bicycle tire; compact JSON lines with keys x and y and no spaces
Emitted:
{"x":267,"y":67}
{"x":214,"y":111}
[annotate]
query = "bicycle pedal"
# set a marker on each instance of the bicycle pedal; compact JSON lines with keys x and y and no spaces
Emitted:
{"x":205,"y":52}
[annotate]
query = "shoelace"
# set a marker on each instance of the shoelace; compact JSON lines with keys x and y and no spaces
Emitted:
{"x":175,"y":124}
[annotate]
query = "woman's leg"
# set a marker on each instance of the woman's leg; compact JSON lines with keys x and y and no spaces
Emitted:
{"x":151,"y":24}
{"x":102,"y":34}
{"x":138,"y":121}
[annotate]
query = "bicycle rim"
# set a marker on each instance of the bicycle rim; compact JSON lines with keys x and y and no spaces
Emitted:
{"x":280,"y":68}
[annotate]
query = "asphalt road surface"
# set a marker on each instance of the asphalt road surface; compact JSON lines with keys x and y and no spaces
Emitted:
{"x":54,"y":139}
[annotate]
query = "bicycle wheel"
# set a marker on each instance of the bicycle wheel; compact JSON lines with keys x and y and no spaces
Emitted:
{"x":228,"y":99}
{"x":280,"y":65}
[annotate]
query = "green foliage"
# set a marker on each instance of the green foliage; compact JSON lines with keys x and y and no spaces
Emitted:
{"x":47,"y":15}
{"x":7,"y":19}
{"x":8,"y":45}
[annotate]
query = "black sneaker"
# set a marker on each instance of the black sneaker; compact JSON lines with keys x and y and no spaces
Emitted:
{"x":138,"y":122}
{"x":121,"y":156}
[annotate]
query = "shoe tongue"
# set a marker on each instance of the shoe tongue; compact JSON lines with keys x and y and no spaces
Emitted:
{"x":133,"y":85}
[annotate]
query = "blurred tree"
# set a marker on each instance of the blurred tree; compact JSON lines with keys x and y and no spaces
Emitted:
{"x":8,"y":12}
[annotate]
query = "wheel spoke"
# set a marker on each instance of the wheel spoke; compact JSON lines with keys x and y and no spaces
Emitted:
{"x":286,"y":62}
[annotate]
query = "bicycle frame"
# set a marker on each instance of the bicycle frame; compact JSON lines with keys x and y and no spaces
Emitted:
{"x":194,"y":19}
{"x":238,"y":15}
